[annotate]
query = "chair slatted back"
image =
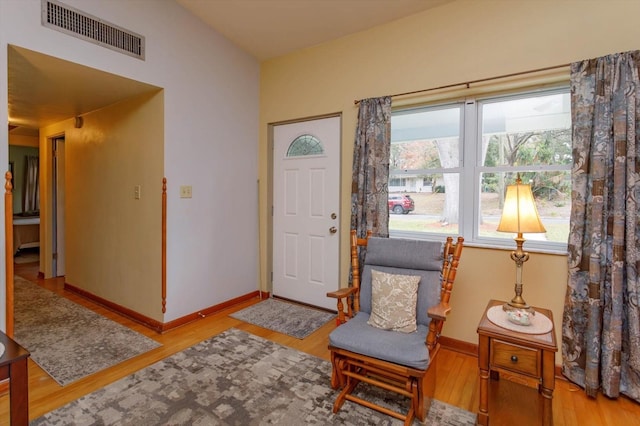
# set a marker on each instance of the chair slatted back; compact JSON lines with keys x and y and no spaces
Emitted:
{"x":434,"y":262}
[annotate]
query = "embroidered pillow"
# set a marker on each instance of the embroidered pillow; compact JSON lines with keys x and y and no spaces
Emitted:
{"x":393,"y":301}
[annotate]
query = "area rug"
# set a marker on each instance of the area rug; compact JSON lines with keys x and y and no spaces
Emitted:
{"x":284,"y":317}
{"x":234,"y":378}
{"x":25,"y":256}
{"x":68,"y":340}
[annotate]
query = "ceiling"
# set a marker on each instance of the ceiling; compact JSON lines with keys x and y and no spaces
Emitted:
{"x":44,"y":90}
{"x":270,"y":28}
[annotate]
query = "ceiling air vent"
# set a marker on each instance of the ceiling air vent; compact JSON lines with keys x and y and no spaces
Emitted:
{"x":74,"y":22}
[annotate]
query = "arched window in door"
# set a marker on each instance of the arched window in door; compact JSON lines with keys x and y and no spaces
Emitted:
{"x":305,"y":145}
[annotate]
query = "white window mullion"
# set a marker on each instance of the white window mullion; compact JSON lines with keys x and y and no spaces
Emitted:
{"x":469,"y":178}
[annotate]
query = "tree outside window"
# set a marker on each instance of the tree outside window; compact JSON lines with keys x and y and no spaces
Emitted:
{"x":449,"y":168}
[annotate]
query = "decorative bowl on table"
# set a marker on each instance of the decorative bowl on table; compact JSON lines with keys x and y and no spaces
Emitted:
{"x":519,"y":317}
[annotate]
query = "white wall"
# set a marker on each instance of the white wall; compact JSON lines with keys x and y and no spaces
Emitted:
{"x":210,"y":131}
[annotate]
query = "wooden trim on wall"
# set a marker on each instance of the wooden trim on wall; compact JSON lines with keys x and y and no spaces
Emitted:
{"x":164,"y":245}
{"x":264,"y":295}
{"x":157,"y":326}
{"x":8,"y":232}
{"x":208,"y":311}
{"x":459,"y":346}
{"x":126,"y":312}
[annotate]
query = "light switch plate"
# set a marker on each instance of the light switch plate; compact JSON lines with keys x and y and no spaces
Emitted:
{"x":185,"y":191}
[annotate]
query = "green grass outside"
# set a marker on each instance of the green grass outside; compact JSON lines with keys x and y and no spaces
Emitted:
{"x":428,"y":203}
{"x":556,"y":232}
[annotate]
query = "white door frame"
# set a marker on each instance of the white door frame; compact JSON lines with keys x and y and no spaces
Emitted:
{"x":270,"y":197}
{"x":58,"y":211}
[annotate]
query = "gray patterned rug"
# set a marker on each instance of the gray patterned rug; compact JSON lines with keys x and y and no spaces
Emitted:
{"x":234,"y":378}
{"x":67,"y":340}
{"x":284,"y":317}
{"x":26,"y":256}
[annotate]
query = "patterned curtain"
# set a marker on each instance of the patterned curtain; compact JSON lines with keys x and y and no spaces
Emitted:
{"x":601,"y":321}
{"x":369,"y":187}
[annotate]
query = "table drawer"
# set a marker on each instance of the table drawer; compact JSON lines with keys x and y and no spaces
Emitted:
{"x":515,"y":358}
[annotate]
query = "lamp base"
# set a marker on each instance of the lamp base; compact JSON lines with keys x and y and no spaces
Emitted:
{"x":518,"y":303}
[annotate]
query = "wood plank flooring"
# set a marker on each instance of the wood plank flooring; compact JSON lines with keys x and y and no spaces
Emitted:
{"x":457,"y":373}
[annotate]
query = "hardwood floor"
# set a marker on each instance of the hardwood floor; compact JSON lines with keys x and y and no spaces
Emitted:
{"x":457,"y":373}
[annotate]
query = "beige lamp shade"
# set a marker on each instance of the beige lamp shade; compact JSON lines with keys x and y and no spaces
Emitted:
{"x":520,"y":214}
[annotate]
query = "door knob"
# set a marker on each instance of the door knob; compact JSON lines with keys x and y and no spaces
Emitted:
{"x":333,"y":230}
{"x":333,"y":216}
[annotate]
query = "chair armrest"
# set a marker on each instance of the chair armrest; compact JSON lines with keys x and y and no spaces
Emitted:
{"x":439,"y":312}
{"x":340,"y":294}
{"x":438,"y":315}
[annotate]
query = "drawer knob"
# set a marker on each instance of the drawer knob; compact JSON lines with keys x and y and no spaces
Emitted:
{"x":514,"y":359}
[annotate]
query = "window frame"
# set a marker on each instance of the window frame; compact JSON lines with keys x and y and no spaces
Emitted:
{"x":470,"y":169}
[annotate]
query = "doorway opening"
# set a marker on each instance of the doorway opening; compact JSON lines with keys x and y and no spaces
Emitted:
{"x":58,"y":196}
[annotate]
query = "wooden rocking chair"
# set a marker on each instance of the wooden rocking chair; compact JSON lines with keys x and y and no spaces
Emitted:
{"x":402,"y":362}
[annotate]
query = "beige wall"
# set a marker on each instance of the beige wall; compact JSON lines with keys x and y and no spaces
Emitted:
{"x":457,"y":42}
{"x":23,"y":140}
{"x":112,"y":241}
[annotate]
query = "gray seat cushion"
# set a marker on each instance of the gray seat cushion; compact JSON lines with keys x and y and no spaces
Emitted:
{"x":408,"y":349}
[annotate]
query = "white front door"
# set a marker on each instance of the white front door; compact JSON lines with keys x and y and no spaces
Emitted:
{"x":306,"y":201}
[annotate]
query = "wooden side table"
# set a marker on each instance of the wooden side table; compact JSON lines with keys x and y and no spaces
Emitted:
{"x":13,"y":366}
{"x":530,"y":355}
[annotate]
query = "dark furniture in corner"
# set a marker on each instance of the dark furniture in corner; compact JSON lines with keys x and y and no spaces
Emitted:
{"x":13,"y":366}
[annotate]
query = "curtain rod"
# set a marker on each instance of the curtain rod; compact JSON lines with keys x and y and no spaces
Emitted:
{"x":482,"y":80}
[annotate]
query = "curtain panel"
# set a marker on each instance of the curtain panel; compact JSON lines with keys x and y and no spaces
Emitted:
{"x":31,"y":192}
{"x":369,"y":187}
{"x":601,"y":321}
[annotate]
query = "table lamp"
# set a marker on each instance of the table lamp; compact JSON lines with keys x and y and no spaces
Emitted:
{"x":519,"y":216}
